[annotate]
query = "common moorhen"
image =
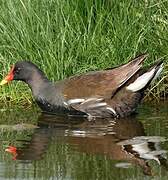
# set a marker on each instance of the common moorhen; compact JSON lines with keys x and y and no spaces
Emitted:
{"x":113,"y":92}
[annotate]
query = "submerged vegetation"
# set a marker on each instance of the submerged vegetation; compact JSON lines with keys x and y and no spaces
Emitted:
{"x":69,"y":37}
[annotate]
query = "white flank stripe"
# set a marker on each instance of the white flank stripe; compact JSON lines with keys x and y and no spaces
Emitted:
{"x":99,"y":99}
{"x":90,"y":99}
{"x":75,"y":101}
{"x":112,"y":110}
{"x":97,"y":105}
{"x":66,"y":104}
{"x":141,"y":81}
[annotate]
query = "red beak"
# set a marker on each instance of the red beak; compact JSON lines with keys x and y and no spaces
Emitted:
{"x":13,"y":151}
{"x":8,"y":78}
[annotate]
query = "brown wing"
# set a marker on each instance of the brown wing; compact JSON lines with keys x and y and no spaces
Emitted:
{"x":101,"y":83}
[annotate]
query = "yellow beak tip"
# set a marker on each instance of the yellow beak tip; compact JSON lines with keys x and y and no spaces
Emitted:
{"x":3,"y":82}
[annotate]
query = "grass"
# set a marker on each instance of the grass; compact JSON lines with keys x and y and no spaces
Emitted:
{"x":69,"y":37}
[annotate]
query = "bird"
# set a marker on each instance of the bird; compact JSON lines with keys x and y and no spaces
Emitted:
{"x":111,"y":93}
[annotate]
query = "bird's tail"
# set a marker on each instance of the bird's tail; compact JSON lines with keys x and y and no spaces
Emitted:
{"x":144,"y":79}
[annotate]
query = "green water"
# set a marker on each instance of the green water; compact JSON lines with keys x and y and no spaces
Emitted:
{"x":51,"y":147}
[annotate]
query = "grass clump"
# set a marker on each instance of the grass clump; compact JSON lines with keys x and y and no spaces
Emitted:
{"x":68,"y":37}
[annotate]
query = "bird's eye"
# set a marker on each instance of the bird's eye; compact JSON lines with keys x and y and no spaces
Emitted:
{"x":17,"y":71}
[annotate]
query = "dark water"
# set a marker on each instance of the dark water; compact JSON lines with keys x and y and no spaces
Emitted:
{"x":74,"y":148}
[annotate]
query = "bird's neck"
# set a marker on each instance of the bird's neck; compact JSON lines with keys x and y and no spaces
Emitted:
{"x":38,"y":81}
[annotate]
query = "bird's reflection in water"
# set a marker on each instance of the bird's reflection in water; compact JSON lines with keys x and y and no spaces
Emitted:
{"x":121,"y":139}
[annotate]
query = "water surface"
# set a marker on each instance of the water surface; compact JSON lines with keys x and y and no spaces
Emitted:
{"x":40,"y":146}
